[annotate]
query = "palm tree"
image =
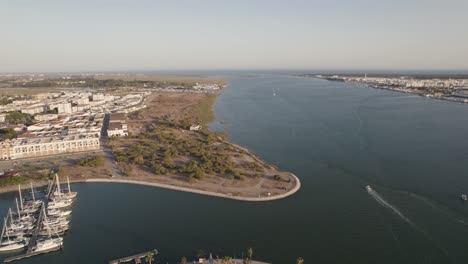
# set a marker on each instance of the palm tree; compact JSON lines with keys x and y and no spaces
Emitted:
{"x":227,"y":260}
{"x":300,"y":260}
{"x":183,"y":260}
{"x":149,"y":258}
{"x":250,"y":253}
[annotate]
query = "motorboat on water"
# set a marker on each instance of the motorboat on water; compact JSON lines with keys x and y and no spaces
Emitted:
{"x":368,"y":188}
{"x":48,"y":244}
{"x":464,"y":197}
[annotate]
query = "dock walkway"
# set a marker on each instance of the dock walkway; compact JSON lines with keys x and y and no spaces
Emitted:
{"x":135,"y":258}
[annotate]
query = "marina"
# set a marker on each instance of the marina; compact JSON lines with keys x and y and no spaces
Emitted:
{"x":39,"y":224}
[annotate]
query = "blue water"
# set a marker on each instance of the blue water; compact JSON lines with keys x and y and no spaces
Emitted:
{"x":337,"y":138}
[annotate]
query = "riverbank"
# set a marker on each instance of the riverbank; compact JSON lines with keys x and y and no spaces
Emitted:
{"x":162,"y":149}
{"x":162,"y":152}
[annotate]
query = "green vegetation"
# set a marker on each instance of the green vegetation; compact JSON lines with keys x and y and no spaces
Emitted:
{"x":7,"y":133}
{"x":13,"y":180}
{"x":5,"y":101}
{"x":92,"y":162}
{"x":203,"y":111}
{"x":16,"y":117}
{"x":149,"y":258}
{"x":163,"y":149}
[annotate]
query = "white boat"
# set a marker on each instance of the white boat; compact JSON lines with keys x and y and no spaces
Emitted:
{"x":48,"y":244}
{"x":57,"y":230}
{"x":64,"y":194}
{"x":56,"y":212}
{"x":464,"y":197}
{"x":13,"y":247}
{"x":369,"y":189}
{"x":57,"y":204}
{"x":58,"y":221}
{"x":11,"y":244}
{"x":15,"y":240}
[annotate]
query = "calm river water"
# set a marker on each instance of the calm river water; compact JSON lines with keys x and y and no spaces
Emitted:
{"x":337,"y":138}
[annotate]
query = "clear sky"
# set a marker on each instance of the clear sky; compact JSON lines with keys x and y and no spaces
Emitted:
{"x":95,"y":35}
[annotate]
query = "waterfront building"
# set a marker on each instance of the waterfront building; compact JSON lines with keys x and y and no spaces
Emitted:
{"x":36,"y":147}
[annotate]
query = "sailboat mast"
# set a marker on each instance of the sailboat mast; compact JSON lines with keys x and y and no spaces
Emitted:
{"x":3,"y":229}
{"x":68,"y":181}
{"x":58,"y":185}
{"x":21,"y":198}
{"x":17,"y":208}
{"x":46,"y":222}
{"x":32,"y":192}
{"x":11,"y":215}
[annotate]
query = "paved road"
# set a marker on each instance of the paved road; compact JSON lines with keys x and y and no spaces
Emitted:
{"x":110,"y":160}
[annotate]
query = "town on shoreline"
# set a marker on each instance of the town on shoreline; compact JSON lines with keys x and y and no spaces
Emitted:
{"x":436,"y":87}
{"x":147,"y":130}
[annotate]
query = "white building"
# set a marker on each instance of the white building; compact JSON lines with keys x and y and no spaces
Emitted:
{"x":64,"y":108}
{"x":32,"y":110}
{"x":117,"y":125}
{"x":2,"y":118}
{"x":36,"y":147}
{"x":81,"y":101}
{"x":98,"y":97}
{"x":46,"y":117}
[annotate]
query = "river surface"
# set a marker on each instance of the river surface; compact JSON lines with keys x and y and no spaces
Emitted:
{"x":337,"y":138}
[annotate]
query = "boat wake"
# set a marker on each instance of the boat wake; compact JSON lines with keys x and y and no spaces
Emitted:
{"x":384,"y":203}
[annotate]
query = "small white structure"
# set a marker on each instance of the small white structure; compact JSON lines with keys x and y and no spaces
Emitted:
{"x":117,"y":125}
{"x":2,"y":118}
{"x":46,"y":117}
{"x":195,"y":127}
{"x":64,"y":108}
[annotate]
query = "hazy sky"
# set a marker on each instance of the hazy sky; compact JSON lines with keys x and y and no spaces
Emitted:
{"x":90,"y":35}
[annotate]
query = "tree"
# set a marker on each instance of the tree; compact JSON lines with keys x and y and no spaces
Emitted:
{"x":149,"y":258}
{"x":183,"y":260}
{"x":300,"y":260}
{"x":227,"y":260}
{"x":7,"y":133}
{"x":250,"y":253}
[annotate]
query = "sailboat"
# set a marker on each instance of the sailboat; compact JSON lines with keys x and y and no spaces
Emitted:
{"x":56,"y":212}
{"x":64,"y":194}
{"x":48,"y":243}
{"x":11,"y":244}
{"x":29,"y":207}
